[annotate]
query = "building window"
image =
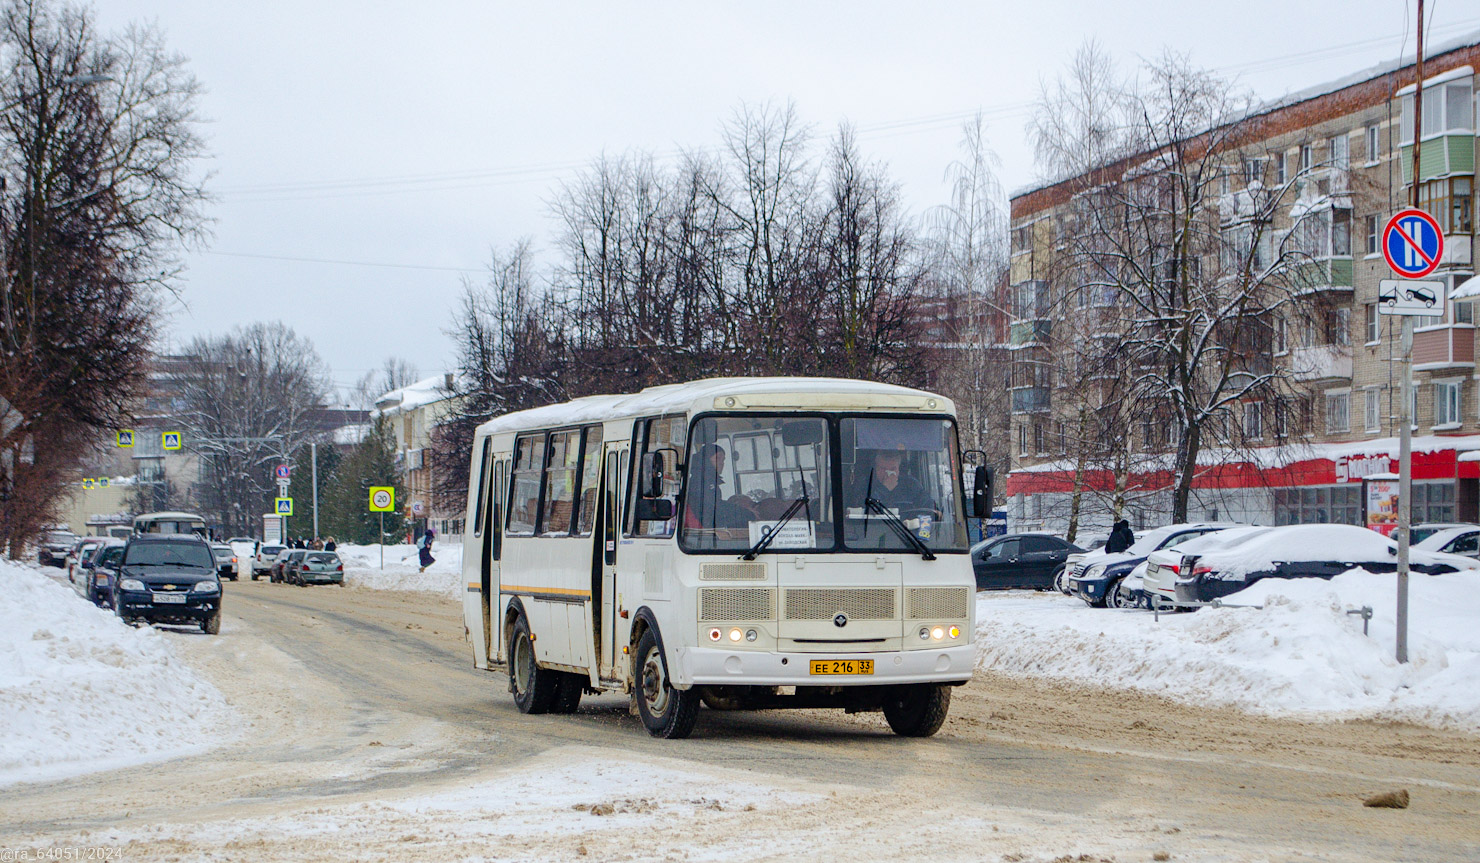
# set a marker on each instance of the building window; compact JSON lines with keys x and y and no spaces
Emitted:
{"x":1369,"y":230}
{"x":1446,"y":403}
{"x":1253,"y":171}
{"x":1450,"y":201}
{"x":1338,"y":327}
{"x":1338,"y":417}
{"x":1433,"y":502}
{"x":1373,"y":409}
{"x":1374,"y":331}
{"x":1063,"y":439}
{"x":1023,"y":439}
{"x":1374,"y":144}
{"x":1279,"y":168}
{"x":1447,"y":108}
{"x":1038,"y":439}
{"x":1340,"y":504}
{"x":1306,"y":157}
{"x":1464,"y":313}
{"x":1281,"y":336}
{"x":1338,"y":147}
{"x":1253,"y":420}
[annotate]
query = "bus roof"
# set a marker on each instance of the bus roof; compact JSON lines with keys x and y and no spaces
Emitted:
{"x":748,"y":393}
{"x":170,"y":516}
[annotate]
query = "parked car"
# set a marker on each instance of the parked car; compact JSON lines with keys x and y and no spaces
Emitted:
{"x":315,"y":567}
{"x":1131,"y":592}
{"x":54,"y":547}
{"x":1076,"y":562}
{"x":1019,"y":560}
{"x":80,"y":549}
{"x":1301,"y":551}
{"x":1097,"y":574}
{"x":1449,"y":538}
{"x":279,"y":571}
{"x":263,"y":556}
{"x":168,"y":578}
{"x":1159,"y":582}
{"x":244,"y":548}
{"x":96,"y":571}
{"x":225,"y":560}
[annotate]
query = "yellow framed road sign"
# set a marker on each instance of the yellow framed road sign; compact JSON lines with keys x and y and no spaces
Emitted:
{"x":283,"y":506}
{"x":169,"y":440}
{"x":125,"y":437}
{"x":382,"y":498}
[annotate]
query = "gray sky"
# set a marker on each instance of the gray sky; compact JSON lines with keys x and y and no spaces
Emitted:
{"x":415,"y":139}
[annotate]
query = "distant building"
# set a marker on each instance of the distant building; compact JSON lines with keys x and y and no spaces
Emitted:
{"x":414,"y":412}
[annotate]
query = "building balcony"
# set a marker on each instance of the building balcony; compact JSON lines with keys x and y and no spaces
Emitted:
{"x":1030,"y":400}
{"x":1320,"y":363}
{"x":1029,"y":332}
{"x":1324,"y":274}
{"x":1441,"y":156}
{"x":1444,"y":348}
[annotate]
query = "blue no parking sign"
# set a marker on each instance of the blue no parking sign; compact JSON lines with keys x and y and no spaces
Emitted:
{"x":1412,"y":243}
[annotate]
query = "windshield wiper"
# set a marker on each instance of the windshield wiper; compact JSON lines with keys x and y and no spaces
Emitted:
{"x":765,"y":541}
{"x":899,"y":526}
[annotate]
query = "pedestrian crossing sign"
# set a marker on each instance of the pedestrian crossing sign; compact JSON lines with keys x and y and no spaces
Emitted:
{"x":170,"y":440}
{"x":284,"y":506}
{"x":126,"y":438}
{"x":87,"y":482}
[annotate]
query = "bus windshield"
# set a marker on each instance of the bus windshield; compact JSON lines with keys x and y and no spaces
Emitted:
{"x":744,"y":474}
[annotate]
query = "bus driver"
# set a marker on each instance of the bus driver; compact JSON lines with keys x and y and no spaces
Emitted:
{"x":887,"y":484}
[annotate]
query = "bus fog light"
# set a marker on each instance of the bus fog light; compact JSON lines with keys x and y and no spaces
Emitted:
{"x":734,"y":635}
{"x":751,"y":635}
{"x":714,"y":635}
{"x":955,"y":632}
{"x":937,"y":633}
{"x":924,"y":633}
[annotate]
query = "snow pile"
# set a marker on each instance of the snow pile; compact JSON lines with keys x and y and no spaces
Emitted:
{"x":83,"y":692}
{"x":362,"y":568}
{"x":1300,"y":655}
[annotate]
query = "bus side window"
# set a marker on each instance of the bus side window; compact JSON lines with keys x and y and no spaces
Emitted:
{"x":496,"y":511}
{"x":483,"y":471}
{"x":590,"y":477}
{"x":524,"y":495}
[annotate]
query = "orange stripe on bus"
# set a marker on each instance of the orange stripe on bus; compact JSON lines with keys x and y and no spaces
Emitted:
{"x":563,"y":591}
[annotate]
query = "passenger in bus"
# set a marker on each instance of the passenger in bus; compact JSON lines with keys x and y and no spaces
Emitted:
{"x":883,"y":479}
{"x":707,"y":506}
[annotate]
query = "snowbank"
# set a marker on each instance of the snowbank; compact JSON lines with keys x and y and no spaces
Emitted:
{"x":1300,"y":655}
{"x":362,"y":568}
{"x":83,"y":692}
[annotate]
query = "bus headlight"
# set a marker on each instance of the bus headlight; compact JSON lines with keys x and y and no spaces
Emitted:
{"x":924,"y":633}
{"x":734,"y":635}
{"x":937,"y":633}
{"x":751,"y":635}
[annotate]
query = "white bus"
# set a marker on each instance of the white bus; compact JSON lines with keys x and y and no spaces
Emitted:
{"x":170,"y":522}
{"x":746,"y":543}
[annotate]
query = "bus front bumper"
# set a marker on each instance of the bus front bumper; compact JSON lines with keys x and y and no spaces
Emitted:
{"x":700,"y":666}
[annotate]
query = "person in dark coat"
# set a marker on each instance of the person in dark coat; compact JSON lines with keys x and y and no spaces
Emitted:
{"x":331,"y":545}
{"x":425,"y":550}
{"x":1121,"y":537}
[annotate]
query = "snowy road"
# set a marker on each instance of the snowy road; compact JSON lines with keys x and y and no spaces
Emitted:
{"x":369,"y":736}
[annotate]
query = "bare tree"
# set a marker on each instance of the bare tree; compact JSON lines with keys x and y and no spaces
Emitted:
{"x":98,"y":191}
{"x":393,"y":374}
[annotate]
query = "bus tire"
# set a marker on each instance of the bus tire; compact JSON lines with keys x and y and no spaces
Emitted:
{"x":568,"y":693}
{"x":534,"y":688}
{"x":666,"y":712}
{"x":917,"y":710}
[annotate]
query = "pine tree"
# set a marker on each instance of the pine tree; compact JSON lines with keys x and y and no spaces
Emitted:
{"x":344,"y":511}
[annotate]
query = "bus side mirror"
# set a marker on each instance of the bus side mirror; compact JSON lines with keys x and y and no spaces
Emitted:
{"x":981,"y":492}
{"x":650,"y":476}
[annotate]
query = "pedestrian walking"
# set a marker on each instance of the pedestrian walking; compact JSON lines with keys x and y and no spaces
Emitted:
{"x":1121,"y":537}
{"x":424,"y":548}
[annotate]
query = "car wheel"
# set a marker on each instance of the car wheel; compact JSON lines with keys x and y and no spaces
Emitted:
{"x":917,"y":710}
{"x":534,"y":688}
{"x":666,"y":712}
{"x":212,"y":625}
{"x":1115,"y":599}
{"x":1061,"y":579}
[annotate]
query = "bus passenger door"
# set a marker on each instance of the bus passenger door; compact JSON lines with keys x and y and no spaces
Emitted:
{"x":493,"y":540}
{"x":609,"y":641}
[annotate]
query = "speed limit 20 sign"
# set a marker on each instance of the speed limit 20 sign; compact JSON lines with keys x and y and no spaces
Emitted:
{"x":382,"y":498}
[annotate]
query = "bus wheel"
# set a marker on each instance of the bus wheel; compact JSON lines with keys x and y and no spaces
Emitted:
{"x":666,"y":712}
{"x":534,"y":688}
{"x":917,"y":710}
{"x":568,"y":693}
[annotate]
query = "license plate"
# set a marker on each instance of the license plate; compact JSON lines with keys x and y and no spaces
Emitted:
{"x":842,"y":666}
{"x":170,"y":598}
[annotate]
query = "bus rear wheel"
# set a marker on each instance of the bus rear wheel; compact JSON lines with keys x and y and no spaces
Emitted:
{"x":534,"y":688}
{"x":918,"y":710}
{"x":666,"y":712}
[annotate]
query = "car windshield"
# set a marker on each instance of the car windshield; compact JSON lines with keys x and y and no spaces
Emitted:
{"x":61,"y":537}
{"x":110,"y":556}
{"x":192,"y":555}
{"x":901,"y":475}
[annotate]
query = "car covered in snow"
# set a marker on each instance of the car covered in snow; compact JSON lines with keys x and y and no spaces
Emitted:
{"x":52,"y":551}
{"x":1096,"y":577}
{"x":168,"y":578}
{"x":1159,"y":580}
{"x":1463,"y":539}
{"x":1300,"y":551}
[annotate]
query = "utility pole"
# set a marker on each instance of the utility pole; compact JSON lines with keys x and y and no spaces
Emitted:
{"x":313,"y":455}
{"x":1405,"y":443}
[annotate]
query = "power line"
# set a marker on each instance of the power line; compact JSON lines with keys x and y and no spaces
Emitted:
{"x":347,"y":263}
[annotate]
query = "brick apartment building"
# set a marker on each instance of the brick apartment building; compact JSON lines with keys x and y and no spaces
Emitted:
{"x":1352,"y":141}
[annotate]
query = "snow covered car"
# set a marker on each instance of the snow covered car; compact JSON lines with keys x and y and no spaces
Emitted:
{"x":314,"y":567}
{"x":1159,"y":581}
{"x":1301,"y":551}
{"x":1419,"y":532}
{"x":1458,"y":539}
{"x":1097,"y":574}
{"x":54,"y":547}
{"x":168,"y":578}
{"x":1131,"y":592}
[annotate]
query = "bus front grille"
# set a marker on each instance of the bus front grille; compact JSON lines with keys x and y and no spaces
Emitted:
{"x":936,"y":603}
{"x":732,"y":572}
{"x":873,"y":603}
{"x":735,"y":604}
